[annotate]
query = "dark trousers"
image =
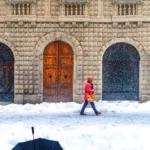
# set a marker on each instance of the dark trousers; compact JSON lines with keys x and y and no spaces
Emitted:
{"x":85,"y":104}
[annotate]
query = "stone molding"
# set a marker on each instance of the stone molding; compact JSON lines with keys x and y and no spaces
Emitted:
{"x":83,"y":1}
{"x":20,"y":1}
{"x":10,"y":45}
{"x":126,"y":2}
{"x":55,"y":36}
{"x":130,"y":41}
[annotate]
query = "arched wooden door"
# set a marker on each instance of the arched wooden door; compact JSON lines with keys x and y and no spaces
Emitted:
{"x":6,"y":74}
{"x":58,"y":72}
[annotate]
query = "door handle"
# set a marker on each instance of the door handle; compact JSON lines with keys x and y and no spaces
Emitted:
{"x":50,"y":75}
{"x":65,"y":76}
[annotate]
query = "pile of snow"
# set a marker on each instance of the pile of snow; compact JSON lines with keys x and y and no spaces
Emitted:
{"x":123,"y":125}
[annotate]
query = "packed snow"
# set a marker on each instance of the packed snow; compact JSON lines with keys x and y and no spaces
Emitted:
{"x":123,"y":125}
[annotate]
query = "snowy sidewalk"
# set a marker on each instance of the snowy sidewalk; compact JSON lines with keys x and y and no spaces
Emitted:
{"x":121,"y":126}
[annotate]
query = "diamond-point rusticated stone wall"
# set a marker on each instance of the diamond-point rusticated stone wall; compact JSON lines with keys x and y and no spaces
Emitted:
{"x":89,"y":36}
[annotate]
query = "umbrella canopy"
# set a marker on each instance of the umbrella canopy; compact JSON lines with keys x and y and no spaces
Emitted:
{"x":38,"y":144}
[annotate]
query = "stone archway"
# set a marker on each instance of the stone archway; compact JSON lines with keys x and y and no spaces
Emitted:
{"x":141,"y":51}
{"x":130,"y":41}
{"x":6,"y":73}
{"x":11,"y":46}
{"x":58,"y":36}
{"x":78,"y":57}
{"x":120,"y":72}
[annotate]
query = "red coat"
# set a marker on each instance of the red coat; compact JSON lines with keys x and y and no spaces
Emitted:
{"x":88,"y":88}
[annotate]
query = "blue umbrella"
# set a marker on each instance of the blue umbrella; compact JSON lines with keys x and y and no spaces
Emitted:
{"x":38,"y":144}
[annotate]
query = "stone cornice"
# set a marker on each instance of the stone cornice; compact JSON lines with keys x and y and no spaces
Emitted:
{"x":62,"y":2}
{"x":20,"y":1}
{"x":34,"y":18}
{"x":126,"y":2}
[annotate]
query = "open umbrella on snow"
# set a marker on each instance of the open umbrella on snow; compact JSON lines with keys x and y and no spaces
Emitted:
{"x":38,"y":144}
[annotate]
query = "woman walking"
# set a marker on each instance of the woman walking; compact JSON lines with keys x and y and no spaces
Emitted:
{"x":88,"y":89}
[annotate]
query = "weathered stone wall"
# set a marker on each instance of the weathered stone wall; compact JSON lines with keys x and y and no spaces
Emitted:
{"x":90,"y":37}
{"x":91,"y":40}
{"x":93,"y":8}
{"x":3,"y":8}
{"x":54,"y":7}
{"x":41,"y":7}
{"x":145,"y":7}
{"x":108,"y":8}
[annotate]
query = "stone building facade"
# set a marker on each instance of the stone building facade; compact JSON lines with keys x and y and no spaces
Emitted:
{"x":90,"y":28}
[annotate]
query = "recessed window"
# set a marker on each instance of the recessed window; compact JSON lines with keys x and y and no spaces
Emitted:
{"x":127,"y":9}
{"x":21,"y":9}
{"x":74,"y":9}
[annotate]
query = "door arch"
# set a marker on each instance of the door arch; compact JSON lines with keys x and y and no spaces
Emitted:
{"x":6,"y":74}
{"x":58,"y":72}
{"x":120,"y":72}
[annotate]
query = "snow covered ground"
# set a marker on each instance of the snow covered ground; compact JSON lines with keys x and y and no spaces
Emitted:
{"x":121,"y":126}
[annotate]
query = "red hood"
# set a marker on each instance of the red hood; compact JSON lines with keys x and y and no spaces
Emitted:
{"x":89,"y":79}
